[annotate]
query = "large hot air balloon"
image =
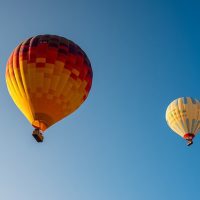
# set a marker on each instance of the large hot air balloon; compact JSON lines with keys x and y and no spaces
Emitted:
{"x":48,"y":77}
{"x":183,"y":117}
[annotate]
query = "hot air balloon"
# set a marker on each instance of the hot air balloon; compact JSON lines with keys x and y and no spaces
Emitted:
{"x":183,"y":117}
{"x":48,"y":78}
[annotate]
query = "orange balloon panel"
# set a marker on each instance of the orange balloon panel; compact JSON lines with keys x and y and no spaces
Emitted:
{"x":48,"y":77}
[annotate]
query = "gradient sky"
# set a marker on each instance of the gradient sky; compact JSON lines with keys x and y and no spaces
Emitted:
{"x":117,"y":146}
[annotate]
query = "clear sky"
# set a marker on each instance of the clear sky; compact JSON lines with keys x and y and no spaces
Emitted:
{"x":117,"y":146}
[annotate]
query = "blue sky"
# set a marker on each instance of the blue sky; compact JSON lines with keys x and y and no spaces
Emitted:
{"x":117,"y":145}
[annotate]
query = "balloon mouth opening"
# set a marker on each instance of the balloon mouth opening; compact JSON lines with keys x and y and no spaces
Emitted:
{"x":189,"y":137}
{"x":38,"y":124}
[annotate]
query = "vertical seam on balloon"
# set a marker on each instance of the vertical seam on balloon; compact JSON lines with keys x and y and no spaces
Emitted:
{"x":13,"y":80}
{"x":182,"y":119}
{"x":60,"y":79}
{"x":198,"y":113}
{"x":189,"y":107}
{"x":197,"y":125}
{"x":16,"y":74}
{"x":194,"y":124}
{"x":49,"y":86}
{"x":192,"y":106}
{"x":193,"y":100}
{"x":12,"y":86}
{"x":8,"y":76}
{"x":177,"y":121}
{"x":21,"y":70}
{"x":188,"y":124}
{"x":185,"y":100}
{"x":28,"y":59}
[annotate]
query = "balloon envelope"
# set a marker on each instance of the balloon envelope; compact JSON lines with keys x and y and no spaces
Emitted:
{"x":48,"y":77}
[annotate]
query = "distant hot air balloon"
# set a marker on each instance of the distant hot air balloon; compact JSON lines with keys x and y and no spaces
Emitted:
{"x":183,"y":117}
{"x":48,"y":77}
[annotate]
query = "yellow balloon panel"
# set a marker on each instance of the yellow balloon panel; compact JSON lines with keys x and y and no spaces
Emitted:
{"x":183,"y":116}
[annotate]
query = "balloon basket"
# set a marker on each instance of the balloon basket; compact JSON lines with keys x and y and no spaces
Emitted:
{"x":37,"y":134}
{"x":189,"y":142}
